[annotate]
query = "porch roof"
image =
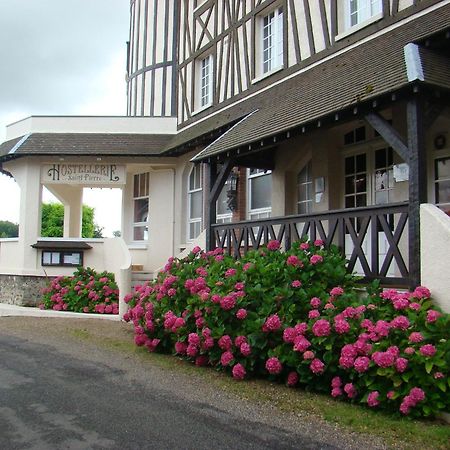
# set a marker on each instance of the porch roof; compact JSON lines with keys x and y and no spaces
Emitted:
{"x":85,"y":144}
{"x":355,"y":78}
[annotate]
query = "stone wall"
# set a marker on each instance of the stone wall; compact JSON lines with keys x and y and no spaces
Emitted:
{"x":22,"y":290}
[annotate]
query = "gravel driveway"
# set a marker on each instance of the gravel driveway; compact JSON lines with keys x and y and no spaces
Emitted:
{"x":82,"y":384}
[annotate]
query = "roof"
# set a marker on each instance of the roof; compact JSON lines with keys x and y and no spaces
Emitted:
{"x":85,"y":144}
{"x":62,"y":245}
{"x":363,"y":73}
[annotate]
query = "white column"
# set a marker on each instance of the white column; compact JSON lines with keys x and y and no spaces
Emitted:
{"x":27,"y":174}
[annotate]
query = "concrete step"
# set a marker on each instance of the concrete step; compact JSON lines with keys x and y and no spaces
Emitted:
{"x":140,"y":277}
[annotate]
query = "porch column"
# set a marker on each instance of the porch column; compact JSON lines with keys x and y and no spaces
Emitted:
{"x":417,"y":182}
{"x":27,"y":175}
{"x":72,"y":199}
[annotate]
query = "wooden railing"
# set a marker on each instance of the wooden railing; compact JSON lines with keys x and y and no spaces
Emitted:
{"x":374,"y":239}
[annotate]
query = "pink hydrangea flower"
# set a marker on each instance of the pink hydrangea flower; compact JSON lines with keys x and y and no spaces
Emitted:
{"x":409,"y":351}
{"x":427,"y":350}
{"x":421,"y":292}
{"x":336,"y":291}
{"x":194,"y":339}
{"x":315,"y":259}
{"x":289,"y":335}
{"x":317,"y":366}
{"x":400,"y":322}
{"x":350,"y":390}
{"x":241,"y":314}
{"x":201,"y":360}
{"x":301,"y":328}
{"x":315,"y":302}
{"x":415,"y":337}
{"x":247,"y":266}
{"x":230,"y":273}
{"x":192,"y":350}
{"x":313,"y":314}
{"x":296,"y":284}
{"x":383,"y":359}
{"x":390,"y":395}
{"x":304,"y":246}
{"x":239,"y":340}
{"x":433,"y":315}
{"x":336,"y":382}
{"x":308,"y":355}
{"x":245,"y":349}
{"x":318,"y":242}
{"x":372,"y":399}
{"x":228,"y":302}
{"x":301,"y":344}
{"x":225,"y":342}
{"x":196,"y":250}
{"x":292,"y":379}
{"x":415,"y":306}
{"x":273,"y":245}
{"x":382,"y":328}
{"x":417,"y":394}
{"x":226,"y":358}
{"x":293,"y":260}
{"x":274,"y":366}
{"x":180,"y":348}
{"x":272,"y":323}
{"x":238,"y":371}
{"x":341,"y":326}
{"x":438,"y":375}
{"x":346,"y":362}
{"x":208,"y":343}
{"x":321,"y":327}
{"x":239,"y":286}
{"x":401,"y":364}
{"x":361,"y":364}
{"x":336,"y":392}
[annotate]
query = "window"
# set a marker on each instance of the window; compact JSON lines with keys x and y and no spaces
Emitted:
{"x":355,"y":136}
{"x":206,"y":82}
{"x":360,"y":11}
{"x":141,"y":206}
{"x":195,"y":202}
{"x":442,"y":183}
{"x":304,"y":190}
{"x":259,"y":193}
{"x":223,"y":212}
{"x":272,"y":41}
{"x":384,"y":175}
{"x":355,"y":181}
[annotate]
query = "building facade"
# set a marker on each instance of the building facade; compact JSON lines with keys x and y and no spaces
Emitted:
{"x":271,"y":119}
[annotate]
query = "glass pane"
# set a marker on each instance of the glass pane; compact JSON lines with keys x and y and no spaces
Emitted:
{"x":304,"y":207}
{"x":350,"y":202}
{"x":443,"y":192}
{"x":381,"y":197}
{"x":140,"y":233}
{"x":381,"y":180}
{"x":141,"y":210}
{"x":261,"y":190}
{"x":361,"y":200}
{"x":136,"y":186}
{"x":349,"y":165}
{"x":349,"y":185}
{"x":360,"y":183}
{"x":194,"y":229}
{"x":222,"y":206}
{"x":360,"y":134}
{"x":361,"y":163}
{"x":196,"y":205}
{"x":380,"y":159}
{"x":443,"y":168}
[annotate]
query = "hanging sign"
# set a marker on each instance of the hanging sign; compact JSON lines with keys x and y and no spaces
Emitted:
{"x":70,"y":173}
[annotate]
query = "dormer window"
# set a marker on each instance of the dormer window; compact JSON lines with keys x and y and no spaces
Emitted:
{"x":270,"y":43}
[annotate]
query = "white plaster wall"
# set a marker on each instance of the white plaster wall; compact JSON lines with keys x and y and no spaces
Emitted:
{"x":435,"y":253}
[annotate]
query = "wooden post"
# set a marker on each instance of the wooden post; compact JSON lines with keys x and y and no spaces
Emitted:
{"x":417,"y":182}
{"x":210,"y":207}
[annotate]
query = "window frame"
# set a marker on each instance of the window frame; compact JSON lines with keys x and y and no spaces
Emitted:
{"x":141,"y":196}
{"x":190,"y":192}
{"x":257,"y":213}
{"x":200,"y":104}
{"x":309,"y":201}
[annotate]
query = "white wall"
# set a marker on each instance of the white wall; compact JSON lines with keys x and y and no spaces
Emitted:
{"x":435,"y":251}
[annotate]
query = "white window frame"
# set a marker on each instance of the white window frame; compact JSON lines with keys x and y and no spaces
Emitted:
{"x":204,"y":97}
{"x":440,"y":155}
{"x":270,"y":49}
{"x":225,"y":217}
{"x":309,"y":182}
{"x":190,"y":192}
{"x":141,"y":196}
{"x":257,"y":213}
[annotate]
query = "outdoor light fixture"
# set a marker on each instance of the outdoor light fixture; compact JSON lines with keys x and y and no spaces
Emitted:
{"x":232,"y":192}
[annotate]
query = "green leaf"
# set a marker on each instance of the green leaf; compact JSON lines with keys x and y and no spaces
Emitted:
{"x":441,"y":385}
{"x":429,"y":366}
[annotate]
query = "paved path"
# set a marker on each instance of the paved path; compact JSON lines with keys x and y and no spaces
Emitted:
{"x":59,"y":389}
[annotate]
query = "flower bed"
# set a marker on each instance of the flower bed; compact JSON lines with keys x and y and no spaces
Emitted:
{"x":85,"y":291}
{"x":298,"y":317}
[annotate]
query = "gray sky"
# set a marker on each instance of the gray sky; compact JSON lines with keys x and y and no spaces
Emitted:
{"x":59,"y":57}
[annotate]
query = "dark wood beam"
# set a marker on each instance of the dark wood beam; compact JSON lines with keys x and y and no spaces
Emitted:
{"x":210,"y":207}
{"x":222,"y":176}
{"x":388,"y":133}
{"x":417,"y":182}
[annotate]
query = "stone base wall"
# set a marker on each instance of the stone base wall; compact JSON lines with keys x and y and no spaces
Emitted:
{"x":22,"y":290}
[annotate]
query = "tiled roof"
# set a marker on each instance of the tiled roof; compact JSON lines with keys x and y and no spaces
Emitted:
{"x":363,"y":73}
{"x":86,"y":144}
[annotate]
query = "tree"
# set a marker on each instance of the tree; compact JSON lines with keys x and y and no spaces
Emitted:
{"x":53,"y":221}
{"x":8,"y":229}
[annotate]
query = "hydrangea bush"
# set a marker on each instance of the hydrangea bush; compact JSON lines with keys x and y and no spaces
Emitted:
{"x":85,"y":291}
{"x":298,"y":317}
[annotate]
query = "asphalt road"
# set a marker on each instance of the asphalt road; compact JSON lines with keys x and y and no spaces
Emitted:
{"x":60,"y":393}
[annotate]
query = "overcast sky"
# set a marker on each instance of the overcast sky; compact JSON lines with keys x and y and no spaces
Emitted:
{"x":59,"y":57}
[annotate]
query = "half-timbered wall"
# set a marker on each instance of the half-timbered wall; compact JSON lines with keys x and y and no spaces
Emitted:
{"x":152,"y":58}
{"x":230,"y":30}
